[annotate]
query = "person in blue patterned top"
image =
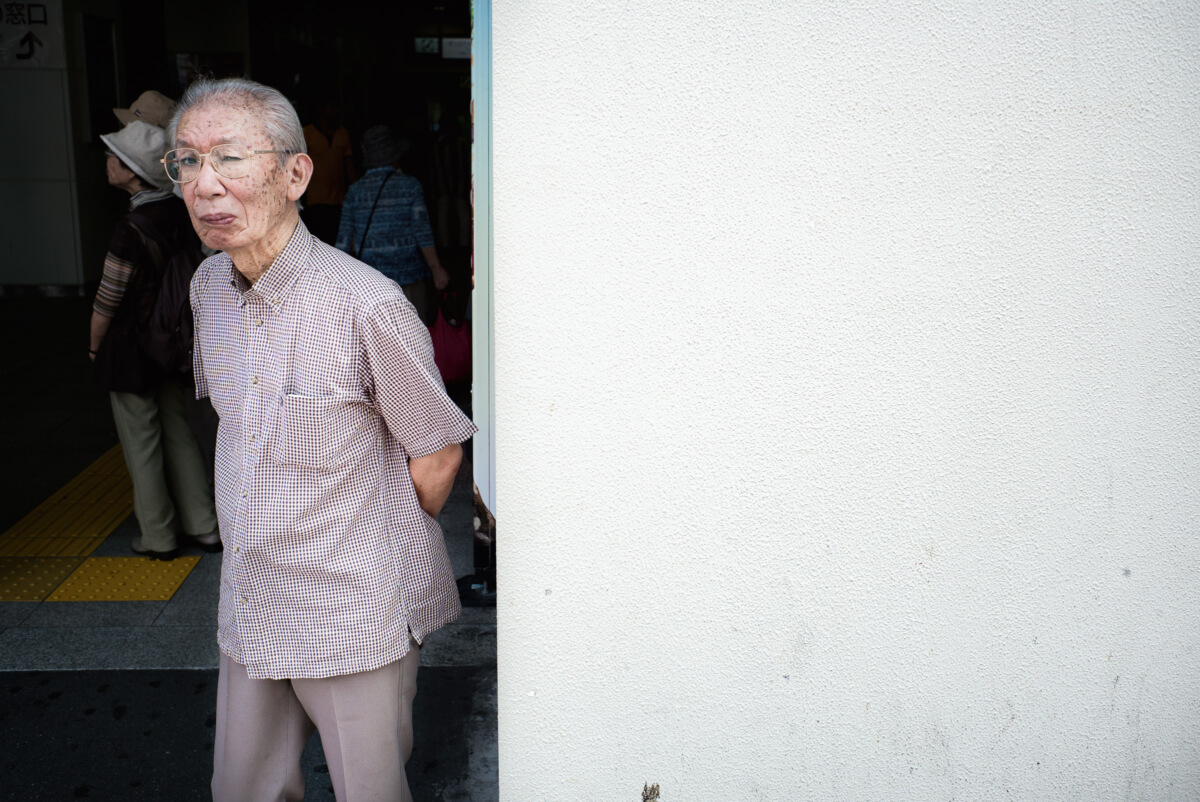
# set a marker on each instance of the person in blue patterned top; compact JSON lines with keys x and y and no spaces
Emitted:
{"x":385,"y":223}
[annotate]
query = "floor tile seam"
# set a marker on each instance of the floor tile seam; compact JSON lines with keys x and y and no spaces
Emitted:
{"x":166,"y":604}
{"x":42,"y":668}
{"x":130,"y":627}
{"x":166,"y":629}
{"x":100,"y":668}
{"x":12,"y":625}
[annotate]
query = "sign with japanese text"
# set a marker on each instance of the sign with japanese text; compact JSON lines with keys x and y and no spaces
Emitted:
{"x":31,"y":35}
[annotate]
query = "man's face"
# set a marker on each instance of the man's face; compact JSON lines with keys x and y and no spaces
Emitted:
{"x":234,"y":214}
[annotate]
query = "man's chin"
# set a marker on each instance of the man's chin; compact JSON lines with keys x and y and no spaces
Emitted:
{"x":218,"y":240}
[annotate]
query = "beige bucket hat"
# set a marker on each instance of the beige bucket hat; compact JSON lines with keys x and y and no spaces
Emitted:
{"x":150,"y":107}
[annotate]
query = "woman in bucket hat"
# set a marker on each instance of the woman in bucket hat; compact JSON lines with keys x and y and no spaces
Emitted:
{"x":171,"y":494}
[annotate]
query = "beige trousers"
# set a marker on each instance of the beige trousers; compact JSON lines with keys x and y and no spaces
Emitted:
{"x":365,"y":721}
{"x":423,"y":295}
{"x":170,"y":486}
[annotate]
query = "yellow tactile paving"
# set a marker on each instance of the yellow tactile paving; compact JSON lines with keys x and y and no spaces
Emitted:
{"x":45,"y":550}
{"x":49,"y":546}
{"x":33,"y":578}
{"x":71,"y":510}
{"x":79,"y":516}
{"x":125,"y":579}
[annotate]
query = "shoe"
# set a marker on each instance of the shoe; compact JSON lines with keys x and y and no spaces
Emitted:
{"x":210,"y":542}
{"x":165,"y":556}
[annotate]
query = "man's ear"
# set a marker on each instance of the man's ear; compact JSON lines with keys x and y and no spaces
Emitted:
{"x":299,"y":174}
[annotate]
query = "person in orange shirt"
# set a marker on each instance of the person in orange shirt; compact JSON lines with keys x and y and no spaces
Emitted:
{"x":333,"y":170}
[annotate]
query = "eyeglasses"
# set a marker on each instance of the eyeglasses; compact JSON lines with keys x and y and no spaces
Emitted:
{"x":231,"y":160}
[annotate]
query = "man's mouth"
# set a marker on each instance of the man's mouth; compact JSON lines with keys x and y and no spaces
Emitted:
{"x":217,"y":219}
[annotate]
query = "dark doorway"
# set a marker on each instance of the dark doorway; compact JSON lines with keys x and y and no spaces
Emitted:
{"x":402,"y":64}
{"x":364,"y":58}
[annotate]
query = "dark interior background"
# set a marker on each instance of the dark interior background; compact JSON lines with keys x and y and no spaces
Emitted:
{"x":361,"y":56}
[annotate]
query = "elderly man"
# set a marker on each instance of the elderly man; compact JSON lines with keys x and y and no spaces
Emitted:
{"x":337,"y":448}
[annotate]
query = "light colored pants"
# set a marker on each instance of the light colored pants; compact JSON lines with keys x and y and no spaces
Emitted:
{"x":365,"y":721}
{"x":423,"y":295}
{"x":170,"y":488}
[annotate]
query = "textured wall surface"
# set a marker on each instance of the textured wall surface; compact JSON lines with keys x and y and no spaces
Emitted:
{"x":847,"y":371}
{"x":38,"y":230}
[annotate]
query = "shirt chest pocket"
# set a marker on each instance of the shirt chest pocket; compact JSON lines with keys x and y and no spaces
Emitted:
{"x":323,"y":433}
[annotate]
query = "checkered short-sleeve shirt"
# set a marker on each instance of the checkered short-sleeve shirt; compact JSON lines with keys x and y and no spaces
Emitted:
{"x":324,"y":380}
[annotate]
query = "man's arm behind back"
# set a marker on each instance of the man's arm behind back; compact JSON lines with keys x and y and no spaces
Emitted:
{"x":433,"y":476}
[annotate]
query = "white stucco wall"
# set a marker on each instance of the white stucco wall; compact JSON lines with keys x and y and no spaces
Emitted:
{"x":846,"y":383}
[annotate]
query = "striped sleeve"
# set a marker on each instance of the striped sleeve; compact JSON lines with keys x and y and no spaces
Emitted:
{"x":113,"y":283}
{"x":125,"y":251}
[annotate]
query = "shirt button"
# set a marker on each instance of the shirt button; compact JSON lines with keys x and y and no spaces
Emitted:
{"x":244,"y":494}
{"x":254,"y":380}
{"x":252,"y":438}
{"x":258,"y":322}
{"x":237,"y":549}
{"x":242,"y":600}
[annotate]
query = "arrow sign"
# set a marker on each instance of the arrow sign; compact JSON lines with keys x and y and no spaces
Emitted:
{"x":30,"y":43}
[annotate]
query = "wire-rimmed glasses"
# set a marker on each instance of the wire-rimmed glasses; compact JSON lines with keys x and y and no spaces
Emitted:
{"x":231,"y":160}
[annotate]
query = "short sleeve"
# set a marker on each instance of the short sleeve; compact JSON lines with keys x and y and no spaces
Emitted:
{"x":126,"y":252}
{"x":195,"y":295}
{"x":408,"y":389}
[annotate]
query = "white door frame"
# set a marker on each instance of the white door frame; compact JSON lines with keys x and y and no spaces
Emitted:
{"x":483,"y":384}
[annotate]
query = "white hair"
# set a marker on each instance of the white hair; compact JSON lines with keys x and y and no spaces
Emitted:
{"x":274,"y":111}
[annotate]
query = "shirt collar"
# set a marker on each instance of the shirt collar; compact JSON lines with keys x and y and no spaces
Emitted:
{"x":275,"y":284}
{"x":148,"y":196}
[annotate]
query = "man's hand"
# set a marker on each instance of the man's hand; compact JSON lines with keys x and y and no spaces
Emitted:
{"x":433,"y":476}
{"x":99,"y":328}
{"x":441,"y":279}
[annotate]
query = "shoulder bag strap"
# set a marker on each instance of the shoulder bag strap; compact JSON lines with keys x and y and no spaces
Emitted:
{"x":156,"y":254}
{"x":363,"y":241}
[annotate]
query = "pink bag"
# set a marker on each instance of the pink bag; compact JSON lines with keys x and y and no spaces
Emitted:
{"x":451,"y":342}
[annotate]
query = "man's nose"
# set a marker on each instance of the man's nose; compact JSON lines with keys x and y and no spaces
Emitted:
{"x":208,"y":181}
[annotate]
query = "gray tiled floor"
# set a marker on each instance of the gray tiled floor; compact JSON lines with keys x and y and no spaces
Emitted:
{"x":111,"y":648}
{"x":13,"y":614}
{"x":87,"y":615}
